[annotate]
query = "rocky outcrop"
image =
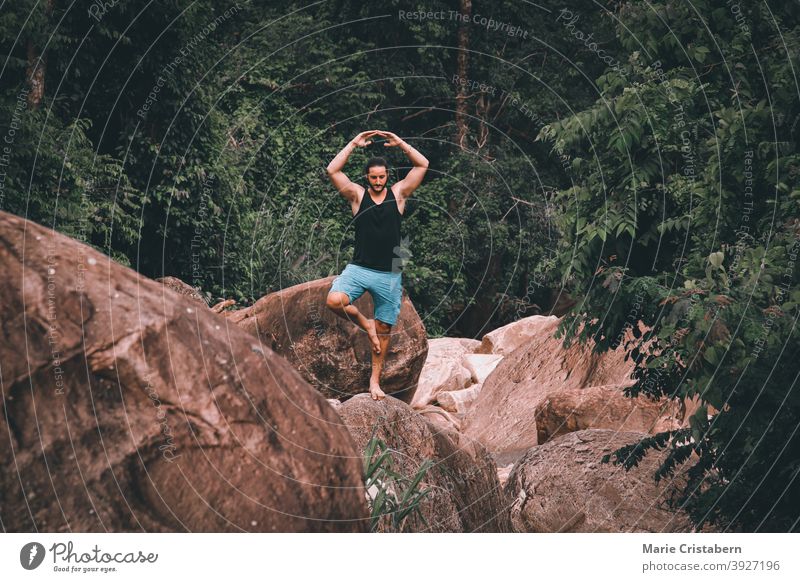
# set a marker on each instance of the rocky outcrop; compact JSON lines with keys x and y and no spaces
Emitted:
{"x":134,"y":409}
{"x":562,"y":486}
{"x":541,"y":390}
{"x":443,"y":369}
{"x":333,"y":354}
{"x":504,"y":340}
{"x":465,"y":494}
{"x":183,"y":288}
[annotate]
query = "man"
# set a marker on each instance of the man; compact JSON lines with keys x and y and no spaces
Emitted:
{"x":374,"y":268}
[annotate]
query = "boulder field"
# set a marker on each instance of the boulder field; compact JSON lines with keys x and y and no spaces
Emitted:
{"x":128,"y":407}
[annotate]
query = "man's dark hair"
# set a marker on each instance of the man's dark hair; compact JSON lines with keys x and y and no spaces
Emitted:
{"x":372,"y":162}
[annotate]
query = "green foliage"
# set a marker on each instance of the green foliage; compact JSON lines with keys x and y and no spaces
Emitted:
{"x":199,"y":132}
{"x":55,"y":177}
{"x":687,"y":220}
{"x":393,"y":497}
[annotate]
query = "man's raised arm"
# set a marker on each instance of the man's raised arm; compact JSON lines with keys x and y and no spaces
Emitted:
{"x":343,"y":184}
{"x":413,"y":179}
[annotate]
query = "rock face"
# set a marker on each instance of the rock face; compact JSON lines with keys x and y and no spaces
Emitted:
{"x":562,"y":486}
{"x":440,"y":417}
{"x":126,"y":412}
{"x":567,"y":411}
{"x":465,"y":493}
{"x":541,"y":390}
{"x":332,"y":354}
{"x":459,"y":401}
{"x":443,"y":369}
{"x":480,"y":365}
{"x":504,"y":340}
{"x":183,"y":288}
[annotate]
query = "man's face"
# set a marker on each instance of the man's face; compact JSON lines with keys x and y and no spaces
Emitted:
{"x":376,"y":175}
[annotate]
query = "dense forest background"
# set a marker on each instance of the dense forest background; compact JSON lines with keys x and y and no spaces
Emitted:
{"x":631,"y":161}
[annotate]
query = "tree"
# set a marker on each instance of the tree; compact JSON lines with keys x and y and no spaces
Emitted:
{"x":684,"y":215}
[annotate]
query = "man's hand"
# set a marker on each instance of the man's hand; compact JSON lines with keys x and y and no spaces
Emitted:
{"x":346,"y":188}
{"x":362,"y":139}
{"x":405,"y":187}
{"x":391,"y":139}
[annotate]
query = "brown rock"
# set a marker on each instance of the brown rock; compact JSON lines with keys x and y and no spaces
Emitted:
{"x":127,"y":412}
{"x":504,"y":340}
{"x":439,"y":416}
{"x":459,"y":401}
{"x":503,"y":471}
{"x":542,"y":389}
{"x":443,"y":369}
{"x":465,"y":493}
{"x":480,"y":365}
{"x":220,"y":307}
{"x":562,"y":486}
{"x":183,"y":288}
{"x":571,"y":410}
{"x":332,"y":354}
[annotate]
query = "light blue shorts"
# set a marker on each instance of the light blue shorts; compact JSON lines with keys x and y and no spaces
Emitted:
{"x":386,"y":289}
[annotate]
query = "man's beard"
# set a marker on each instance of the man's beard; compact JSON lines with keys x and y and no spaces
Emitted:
{"x":378,"y":188}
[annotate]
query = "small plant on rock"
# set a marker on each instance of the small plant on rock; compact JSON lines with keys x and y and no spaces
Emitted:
{"x":392,"y":496}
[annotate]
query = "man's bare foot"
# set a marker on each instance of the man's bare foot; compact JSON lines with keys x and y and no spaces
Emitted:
{"x":373,"y":336}
{"x":376,"y":392}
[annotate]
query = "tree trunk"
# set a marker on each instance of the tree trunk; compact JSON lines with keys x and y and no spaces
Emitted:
{"x":37,"y":66}
{"x":34,"y":76}
{"x":465,"y":12}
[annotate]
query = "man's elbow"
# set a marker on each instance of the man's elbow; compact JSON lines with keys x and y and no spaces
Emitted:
{"x":329,"y":170}
{"x":424,"y":163}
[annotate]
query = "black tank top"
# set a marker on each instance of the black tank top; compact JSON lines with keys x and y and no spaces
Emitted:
{"x":378,"y":233}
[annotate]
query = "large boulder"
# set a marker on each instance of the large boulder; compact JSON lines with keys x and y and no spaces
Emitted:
{"x":562,"y":486}
{"x":444,"y":369}
{"x":465,"y":495}
{"x":541,"y":390}
{"x":128,"y":407}
{"x":332,"y":354}
{"x":504,"y":340}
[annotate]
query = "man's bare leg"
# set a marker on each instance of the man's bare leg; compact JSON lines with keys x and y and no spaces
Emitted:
{"x":384,"y":331}
{"x":339,"y":303}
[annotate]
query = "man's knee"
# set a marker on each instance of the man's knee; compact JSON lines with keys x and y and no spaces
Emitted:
{"x":337,"y":300}
{"x":381,"y":327}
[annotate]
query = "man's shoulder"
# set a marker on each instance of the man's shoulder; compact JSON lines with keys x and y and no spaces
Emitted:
{"x":357,"y":198}
{"x":360,"y":191}
{"x":400,"y":192}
